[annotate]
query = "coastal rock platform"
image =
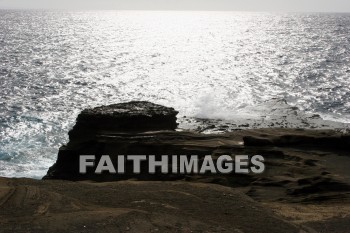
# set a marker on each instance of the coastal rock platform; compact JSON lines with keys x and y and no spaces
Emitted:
{"x":305,"y":187}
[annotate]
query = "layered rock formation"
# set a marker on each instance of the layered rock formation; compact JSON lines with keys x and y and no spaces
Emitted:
{"x":294,"y":164}
{"x":135,"y":116}
{"x":94,"y":126}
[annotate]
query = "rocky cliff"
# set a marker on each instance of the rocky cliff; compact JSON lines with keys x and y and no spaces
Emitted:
{"x":295,"y":163}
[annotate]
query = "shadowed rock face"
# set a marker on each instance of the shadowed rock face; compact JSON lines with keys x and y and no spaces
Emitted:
{"x":322,"y":140}
{"x":135,"y":116}
{"x":294,"y":158}
{"x":126,"y":115}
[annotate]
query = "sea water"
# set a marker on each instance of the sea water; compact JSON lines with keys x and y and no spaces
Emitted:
{"x":53,"y":64}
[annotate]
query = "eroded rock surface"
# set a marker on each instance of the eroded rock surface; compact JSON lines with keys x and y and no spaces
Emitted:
{"x":135,"y":116}
{"x":294,"y":158}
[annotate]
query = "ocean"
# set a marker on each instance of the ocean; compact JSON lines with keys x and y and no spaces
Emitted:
{"x":221,"y":65}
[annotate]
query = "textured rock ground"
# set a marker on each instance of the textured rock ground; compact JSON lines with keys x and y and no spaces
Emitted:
{"x":130,"y":206}
{"x":157,"y":206}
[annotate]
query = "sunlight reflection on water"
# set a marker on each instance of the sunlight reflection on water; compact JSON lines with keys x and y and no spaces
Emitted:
{"x":54,"y":64}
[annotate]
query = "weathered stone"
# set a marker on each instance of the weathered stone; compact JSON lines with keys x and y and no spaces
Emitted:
{"x":135,"y":116}
{"x":116,"y":130}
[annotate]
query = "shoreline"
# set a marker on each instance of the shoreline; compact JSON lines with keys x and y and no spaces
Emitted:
{"x":305,"y":187}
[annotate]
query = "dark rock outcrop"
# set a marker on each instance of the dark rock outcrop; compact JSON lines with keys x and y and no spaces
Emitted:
{"x":135,"y":116}
{"x":143,"y":128}
{"x":96,"y":132}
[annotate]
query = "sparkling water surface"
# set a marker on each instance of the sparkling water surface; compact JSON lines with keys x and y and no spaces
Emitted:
{"x":53,"y":64}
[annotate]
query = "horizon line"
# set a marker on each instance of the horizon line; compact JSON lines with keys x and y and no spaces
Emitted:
{"x":171,"y":10}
